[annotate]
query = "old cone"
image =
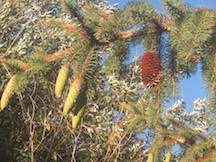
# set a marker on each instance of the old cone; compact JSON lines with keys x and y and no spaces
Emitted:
{"x":150,"y":69}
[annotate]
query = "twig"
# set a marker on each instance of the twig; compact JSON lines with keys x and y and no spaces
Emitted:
{"x":75,"y":146}
{"x":32,"y":129}
{"x":18,"y":34}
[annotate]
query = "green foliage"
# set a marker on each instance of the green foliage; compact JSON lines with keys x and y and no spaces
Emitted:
{"x":195,"y":151}
{"x":144,"y":114}
{"x":176,"y":9}
{"x":134,"y":13}
{"x":37,"y":61}
{"x":190,"y":37}
{"x":22,"y":82}
{"x":157,"y":148}
{"x":115,"y":57}
{"x":15,"y":64}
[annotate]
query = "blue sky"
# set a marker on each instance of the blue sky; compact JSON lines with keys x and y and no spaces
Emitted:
{"x":193,"y":87}
{"x":157,"y":3}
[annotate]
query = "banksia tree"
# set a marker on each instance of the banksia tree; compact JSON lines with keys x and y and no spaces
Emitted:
{"x":69,"y":68}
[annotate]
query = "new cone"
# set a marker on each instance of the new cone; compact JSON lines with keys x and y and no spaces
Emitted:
{"x":75,"y":119}
{"x":72,"y":95}
{"x":61,"y":80}
{"x":8,"y":91}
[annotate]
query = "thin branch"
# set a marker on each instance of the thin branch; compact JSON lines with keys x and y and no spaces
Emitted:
{"x":32,"y":129}
{"x":76,"y":29}
{"x":49,"y":58}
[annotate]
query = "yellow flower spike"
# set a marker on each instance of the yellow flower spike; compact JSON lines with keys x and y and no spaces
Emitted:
{"x":150,"y":157}
{"x":181,"y":139}
{"x":61,"y":80}
{"x":8,"y":91}
{"x":75,"y":119}
{"x":168,"y":156}
{"x":72,"y":95}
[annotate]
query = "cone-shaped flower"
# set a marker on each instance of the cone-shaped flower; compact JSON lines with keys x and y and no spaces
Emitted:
{"x":168,"y":156}
{"x":75,"y":119}
{"x":61,"y":80}
{"x":72,"y":94}
{"x":8,"y":91}
{"x":150,"y":157}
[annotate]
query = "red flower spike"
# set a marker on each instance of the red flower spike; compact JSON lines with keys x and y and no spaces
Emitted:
{"x":150,"y":69}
